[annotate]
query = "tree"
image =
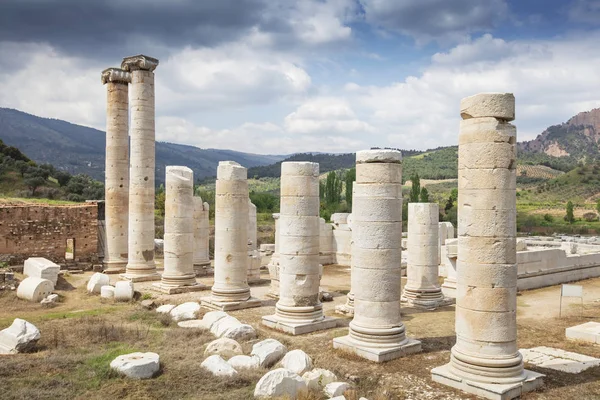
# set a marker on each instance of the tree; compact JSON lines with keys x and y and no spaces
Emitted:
{"x":333,"y":188}
{"x":62,"y":177}
{"x":598,"y":206}
{"x":424,"y":196}
{"x":415,"y":190}
{"x":451,"y":199}
{"x":34,"y":182}
{"x":570,"y":217}
{"x":350,"y":177}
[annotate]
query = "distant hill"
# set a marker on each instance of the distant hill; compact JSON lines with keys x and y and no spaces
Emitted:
{"x":80,"y":150}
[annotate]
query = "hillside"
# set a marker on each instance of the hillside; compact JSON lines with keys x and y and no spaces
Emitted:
{"x":80,"y":150}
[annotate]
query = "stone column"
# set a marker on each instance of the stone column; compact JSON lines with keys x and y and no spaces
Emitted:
{"x":486,"y":360}
{"x":449,"y":259}
{"x":179,"y":275}
{"x":377,"y":332}
{"x":201,"y":237}
{"x":253,"y":254}
{"x":230,"y":290}
{"x":422,"y":287}
{"x":299,"y":310}
{"x":274,"y":263}
{"x":116,"y":187}
{"x":141,"y":266}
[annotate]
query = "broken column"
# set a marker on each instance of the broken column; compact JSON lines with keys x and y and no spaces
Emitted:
{"x":201,"y":237}
{"x":179,"y":275}
{"x":299,"y":310}
{"x":377,"y":332}
{"x":274,"y":263}
{"x":486,"y":360}
{"x":116,"y":184}
{"x":141,"y":266}
{"x":253,"y":254}
{"x":230,"y":290}
{"x":422,"y":287}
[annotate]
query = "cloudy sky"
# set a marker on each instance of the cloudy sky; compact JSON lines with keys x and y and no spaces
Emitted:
{"x":279,"y":76}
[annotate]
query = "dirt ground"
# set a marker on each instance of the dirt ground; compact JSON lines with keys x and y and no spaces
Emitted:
{"x":83,"y":334}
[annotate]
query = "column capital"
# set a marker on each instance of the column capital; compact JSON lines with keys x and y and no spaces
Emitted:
{"x":139,"y":62}
{"x":115,"y":75}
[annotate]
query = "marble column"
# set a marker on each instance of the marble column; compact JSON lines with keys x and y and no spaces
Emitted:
{"x":274,"y":263}
{"x":486,"y":360}
{"x":377,"y":332}
{"x":116,"y":187}
{"x":299,"y":310}
{"x":449,"y":257}
{"x":179,"y":275}
{"x":253,"y":254}
{"x":201,"y":237}
{"x":422,"y":287}
{"x":141,"y":266}
{"x":230,"y":290}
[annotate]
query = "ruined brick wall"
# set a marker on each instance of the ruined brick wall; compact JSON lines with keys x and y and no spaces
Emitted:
{"x":37,"y":230}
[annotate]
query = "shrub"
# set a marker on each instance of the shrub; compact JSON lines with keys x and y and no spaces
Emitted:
{"x":590,"y":216}
{"x":548,"y":218}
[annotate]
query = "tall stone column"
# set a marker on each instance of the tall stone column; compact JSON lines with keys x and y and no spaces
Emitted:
{"x":116,"y":187}
{"x":179,"y":275}
{"x":274,"y":263}
{"x":141,"y":266}
{"x":377,"y":332}
{"x":422,"y":287}
{"x":253,"y":254}
{"x":230,"y":290}
{"x":201,"y":237}
{"x":299,"y":310}
{"x":486,"y":360}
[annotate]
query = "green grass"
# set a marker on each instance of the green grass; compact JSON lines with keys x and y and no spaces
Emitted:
{"x":96,"y":370}
{"x":35,"y":200}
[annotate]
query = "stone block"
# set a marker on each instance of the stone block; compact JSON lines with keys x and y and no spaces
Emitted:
{"x":39,"y":267}
{"x":481,"y":105}
{"x":588,"y":332}
{"x":34,"y":289}
{"x":20,"y":337}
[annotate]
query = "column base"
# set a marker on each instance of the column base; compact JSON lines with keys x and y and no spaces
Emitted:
{"x":492,"y":391}
{"x":344,"y":309}
{"x":179,"y":289}
{"x":426,"y":304}
{"x":141,"y":278}
{"x":299,"y":328}
{"x":114,"y":267}
{"x":213,"y":304}
{"x":376,"y":354}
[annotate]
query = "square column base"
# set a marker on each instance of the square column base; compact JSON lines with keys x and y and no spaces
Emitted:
{"x":273,"y":322}
{"x":140,"y":278}
{"x":178,"y":289}
{"x":377,"y":355}
{"x":212,"y":304}
{"x":493,"y":391}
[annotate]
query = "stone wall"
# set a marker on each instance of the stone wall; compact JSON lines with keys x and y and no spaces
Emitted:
{"x":37,"y":230}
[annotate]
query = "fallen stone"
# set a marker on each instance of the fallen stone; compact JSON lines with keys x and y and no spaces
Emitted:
{"x":242,"y":332}
{"x":9,"y":277}
{"x":20,"y":337}
{"x":193,"y":324}
{"x":588,"y":332}
{"x":326,"y":296}
{"x":222,"y":325}
{"x":34,"y":289}
{"x":124,"y":291}
{"x":224,"y":347}
{"x":338,"y":398}
{"x":50,"y":300}
{"x":148,"y":304}
{"x":185,"y":311}
{"x":107,"y":292}
{"x":137,"y":365}
{"x":297,"y":361}
{"x":334,"y":389}
{"x":96,"y":282}
{"x":244,"y":362}
{"x":165,"y":309}
{"x":269,"y":352}
{"x":39,"y":267}
{"x":559,"y":360}
{"x":280,"y":383}
{"x":213,"y":316}
{"x":218,"y":367}
{"x":318,"y":378}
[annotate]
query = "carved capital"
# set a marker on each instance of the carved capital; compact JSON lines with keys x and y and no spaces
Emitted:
{"x":141,"y":61}
{"x":115,"y":75}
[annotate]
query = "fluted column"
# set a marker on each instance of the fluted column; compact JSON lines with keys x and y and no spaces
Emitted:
{"x":141,"y":264}
{"x":116,"y":187}
{"x":377,"y":332}
{"x":299,"y":310}
{"x":201,"y":236}
{"x":486,"y":359}
{"x":230,"y":290}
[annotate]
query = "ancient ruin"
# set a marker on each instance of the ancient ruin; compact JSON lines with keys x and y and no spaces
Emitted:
{"x":201,"y":236}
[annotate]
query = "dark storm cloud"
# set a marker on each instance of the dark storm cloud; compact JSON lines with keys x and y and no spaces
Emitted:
{"x":101,"y":28}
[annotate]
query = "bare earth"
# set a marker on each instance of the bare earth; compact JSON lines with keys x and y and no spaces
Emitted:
{"x":83,"y":334}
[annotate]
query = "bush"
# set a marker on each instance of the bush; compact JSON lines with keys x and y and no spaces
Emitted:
{"x":590,"y":216}
{"x":548,"y":218}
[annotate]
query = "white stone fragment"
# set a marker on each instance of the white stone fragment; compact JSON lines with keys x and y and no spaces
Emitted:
{"x":379,"y":156}
{"x":242,"y":332}
{"x":124,"y":291}
{"x":137,"y":365}
{"x":218,"y":367}
{"x":588,"y":332}
{"x":165,"y":309}
{"x":559,"y":360}
{"x":497,"y":105}
{"x":297,"y":361}
{"x":269,"y":352}
{"x":224,"y":347}
{"x":318,"y":378}
{"x":50,"y":300}
{"x":279,"y":383}
{"x":34,"y":289}
{"x":221,"y":326}
{"x":107,"y":292}
{"x":194,"y":324}
{"x":244,"y":362}
{"x":96,"y":282}
{"x":20,"y":337}
{"x":39,"y":267}
{"x":213,"y":316}
{"x":334,"y":389}
{"x":185,"y":311}
{"x":339,"y":398}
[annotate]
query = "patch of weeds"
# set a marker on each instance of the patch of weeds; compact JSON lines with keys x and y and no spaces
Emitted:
{"x":96,"y":369}
{"x":152,"y":318}
{"x":147,"y":296}
{"x":78,"y":314}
